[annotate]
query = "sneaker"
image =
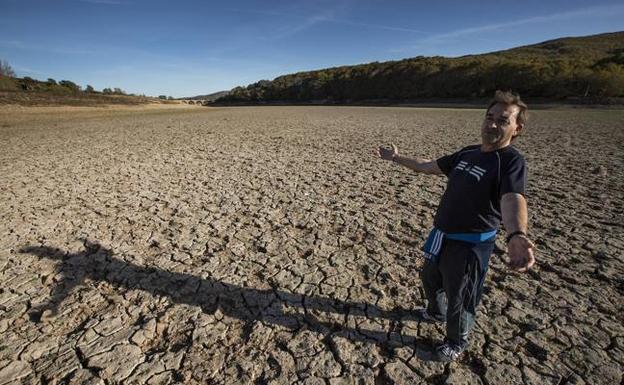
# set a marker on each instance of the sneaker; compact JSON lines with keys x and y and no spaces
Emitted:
{"x":447,"y":352}
{"x":423,"y":315}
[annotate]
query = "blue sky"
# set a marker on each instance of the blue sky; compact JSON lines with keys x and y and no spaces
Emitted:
{"x":185,"y":48}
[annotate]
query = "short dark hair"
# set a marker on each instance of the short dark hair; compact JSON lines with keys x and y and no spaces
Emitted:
{"x":511,"y":99}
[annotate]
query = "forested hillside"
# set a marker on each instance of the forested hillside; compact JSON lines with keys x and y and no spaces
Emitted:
{"x":590,"y":67}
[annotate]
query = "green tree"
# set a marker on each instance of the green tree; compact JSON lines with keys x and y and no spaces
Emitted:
{"x":609,"y":81}
{"x":70,"y":85}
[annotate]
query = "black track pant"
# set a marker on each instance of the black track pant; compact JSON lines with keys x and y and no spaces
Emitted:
{"x":453,"y":285}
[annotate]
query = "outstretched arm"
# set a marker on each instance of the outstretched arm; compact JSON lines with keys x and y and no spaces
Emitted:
{"x":425,"y":166}
{"x":515,"y":218}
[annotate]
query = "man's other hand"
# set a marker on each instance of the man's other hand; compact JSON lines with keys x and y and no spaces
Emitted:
{"x":385,"y":153}
{"x":521,"y":253}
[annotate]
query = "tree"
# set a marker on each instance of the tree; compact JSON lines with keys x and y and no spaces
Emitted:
{"x":51,"y":82}
{"x":164,"y":97}
{"x":107,"y":91}
{"x":5,"y":69}
{"x":118,"y":91}
{"x":609,"y":81}
{"x":69,"y":84}
{"x":89,"y":89}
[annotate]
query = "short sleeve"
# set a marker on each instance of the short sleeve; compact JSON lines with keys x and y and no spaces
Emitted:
{"x":447,"y":162}
{"x":514,"y":177}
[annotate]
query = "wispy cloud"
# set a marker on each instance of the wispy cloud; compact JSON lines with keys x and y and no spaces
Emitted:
{"x":28,"y":71}
{"x":327,"y":17}
{"x":106,"y":2}
{"x":17,"y":44}
{"x":303,"y":25}
{"x":376,"y":26}
{"x":598,"y":11}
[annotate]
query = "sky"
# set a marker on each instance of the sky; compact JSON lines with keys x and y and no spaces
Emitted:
{"x":191,"y":47}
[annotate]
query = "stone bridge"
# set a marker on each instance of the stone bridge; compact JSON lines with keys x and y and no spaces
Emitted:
{"x":201,"y":102}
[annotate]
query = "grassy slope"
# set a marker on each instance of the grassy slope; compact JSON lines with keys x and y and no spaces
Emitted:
{"x":41,"y":94}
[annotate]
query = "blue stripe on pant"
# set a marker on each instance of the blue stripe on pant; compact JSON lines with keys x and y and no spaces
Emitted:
{"x":453,"y":285}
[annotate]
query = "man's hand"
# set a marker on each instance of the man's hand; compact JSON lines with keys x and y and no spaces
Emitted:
{"x":425,"y":166}
{"x":521,"y":253}
{"x":387,"y":154}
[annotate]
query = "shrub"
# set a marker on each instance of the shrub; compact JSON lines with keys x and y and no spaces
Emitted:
{"x":7,"y":84}
{"x":28,"y":83}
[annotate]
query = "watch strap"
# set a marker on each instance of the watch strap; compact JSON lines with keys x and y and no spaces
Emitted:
{"x":513,"y":234}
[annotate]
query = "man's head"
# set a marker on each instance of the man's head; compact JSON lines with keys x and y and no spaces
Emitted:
{"x":505,"y":119}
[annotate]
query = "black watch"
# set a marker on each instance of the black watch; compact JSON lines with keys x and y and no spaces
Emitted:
{"x":511,"y":235}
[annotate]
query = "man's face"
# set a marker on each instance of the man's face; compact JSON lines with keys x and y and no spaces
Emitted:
{"x":500,"y":125}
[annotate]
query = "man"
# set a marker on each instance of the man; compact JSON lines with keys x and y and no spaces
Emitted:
{"x":486,"y":183}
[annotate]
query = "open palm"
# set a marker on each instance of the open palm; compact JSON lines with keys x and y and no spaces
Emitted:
{"x":385,"y":153}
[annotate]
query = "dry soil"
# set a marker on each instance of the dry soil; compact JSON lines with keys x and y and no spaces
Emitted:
{"x":266,"y":245}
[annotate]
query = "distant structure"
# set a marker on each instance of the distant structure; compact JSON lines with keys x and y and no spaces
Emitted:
{"x":199,"y":102}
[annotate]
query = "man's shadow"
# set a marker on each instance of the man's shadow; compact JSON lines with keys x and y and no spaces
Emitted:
{"x":247,"y":304}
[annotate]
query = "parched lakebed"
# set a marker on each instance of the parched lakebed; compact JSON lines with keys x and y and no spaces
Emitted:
{"x":267,"y":245}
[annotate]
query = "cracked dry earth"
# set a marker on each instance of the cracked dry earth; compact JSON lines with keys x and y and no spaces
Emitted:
{"x":268,"y":246}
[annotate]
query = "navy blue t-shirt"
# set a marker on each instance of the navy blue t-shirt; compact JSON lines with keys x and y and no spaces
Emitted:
{"x":476,"y":182}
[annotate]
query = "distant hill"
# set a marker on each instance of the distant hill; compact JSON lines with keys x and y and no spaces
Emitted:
{"x":209,"y":97}
{"x":31,"y":92}
{"x":589,"y":67}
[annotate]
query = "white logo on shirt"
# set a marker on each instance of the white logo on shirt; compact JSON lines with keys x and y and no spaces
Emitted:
{"x":471,"y":169}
